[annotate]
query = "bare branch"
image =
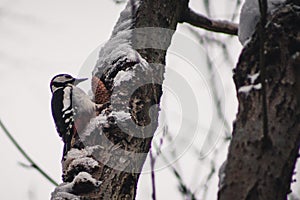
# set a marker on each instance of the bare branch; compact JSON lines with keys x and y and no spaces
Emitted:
{"x":152,"y":163}
{"x":32,"y":163}
{"x":183,"y":188}
{"x":201,"y":21}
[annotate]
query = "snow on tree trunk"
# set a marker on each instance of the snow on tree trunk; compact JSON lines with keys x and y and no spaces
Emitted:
{"x":112,"y":149}
{"x":256,"y":169}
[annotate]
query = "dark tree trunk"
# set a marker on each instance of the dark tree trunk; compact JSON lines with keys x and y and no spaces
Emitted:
{"x":119,"y":147}
{"x":260,"y":168}
{"x":114,"y":151}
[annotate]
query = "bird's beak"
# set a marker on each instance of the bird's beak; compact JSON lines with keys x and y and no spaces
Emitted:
{"x":78,"y":80}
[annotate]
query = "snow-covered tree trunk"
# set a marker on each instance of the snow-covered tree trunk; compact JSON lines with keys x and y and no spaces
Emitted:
{"x":260,"y":168}
{"x":109,"y":155}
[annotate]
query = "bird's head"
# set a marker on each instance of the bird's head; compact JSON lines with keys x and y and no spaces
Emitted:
{"x":62,"y":80}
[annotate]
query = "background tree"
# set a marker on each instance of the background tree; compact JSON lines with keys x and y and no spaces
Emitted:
{"x":218,"y":45}
{"x":266,"y":155}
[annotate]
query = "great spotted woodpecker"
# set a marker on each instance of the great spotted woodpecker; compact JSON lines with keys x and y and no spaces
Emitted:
{"x":72,"y":108}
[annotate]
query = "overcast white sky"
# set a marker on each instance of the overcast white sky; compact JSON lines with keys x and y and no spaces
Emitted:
{"x":40,"y":39}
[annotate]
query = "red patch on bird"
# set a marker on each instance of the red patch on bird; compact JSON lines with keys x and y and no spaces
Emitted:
{"x":102,"y":95}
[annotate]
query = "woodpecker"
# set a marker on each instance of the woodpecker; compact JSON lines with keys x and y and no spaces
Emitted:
{"x":72,"y":108}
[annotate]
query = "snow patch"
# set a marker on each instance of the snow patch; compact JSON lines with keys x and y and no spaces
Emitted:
{"x":86,"y":162}
{"x":296,"y":55}
{"x":101,"y":120}
{"x":94,"y":123}
{"x":87,"y":151}
{"x":247,"y":41}
{"x":123,"y":76}
{"x":247,"y":88}
{"x":85,"y":177}
{"x":122,"y":160}
{"x":64,"y":196}
{"x":253,"y":77}
{"x":119,"y":46}
{"x":64,"y":187}
{"x":126,"y":18}
{"x":257,"y":86}
{"x":63,"y":192}
{"x":121,"y":115}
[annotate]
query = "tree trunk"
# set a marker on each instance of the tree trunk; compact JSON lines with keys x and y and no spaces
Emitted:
{"x":258,"y":168}
{"x":107,"y":158}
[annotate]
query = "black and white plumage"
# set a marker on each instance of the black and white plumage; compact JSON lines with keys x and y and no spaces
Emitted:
{"x":71,"y":107}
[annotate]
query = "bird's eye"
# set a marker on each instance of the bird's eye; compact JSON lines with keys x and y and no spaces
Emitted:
{"x":68,"y":76}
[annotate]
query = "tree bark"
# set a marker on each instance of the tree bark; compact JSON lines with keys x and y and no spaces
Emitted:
{"x":258,"y":168}
{"x":112,"y":153}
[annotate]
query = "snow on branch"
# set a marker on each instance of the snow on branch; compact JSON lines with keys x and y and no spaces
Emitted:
{"x":83,"y":182}
{"x":118,"y":54}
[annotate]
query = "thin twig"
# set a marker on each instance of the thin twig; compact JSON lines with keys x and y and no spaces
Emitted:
{"x":152,"y":163}
{"x":210,"y":39}
{"x":182,"y":186}
{"x":216,"y":99}
{"x":207,"y":7}
{"x":33,"y":164}
{"x":198,"y":20}
{"x":235,"y":11}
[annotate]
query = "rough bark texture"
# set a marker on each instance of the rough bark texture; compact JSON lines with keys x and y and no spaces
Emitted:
{"x":255,"y":168}
{"x":122,"y":153}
